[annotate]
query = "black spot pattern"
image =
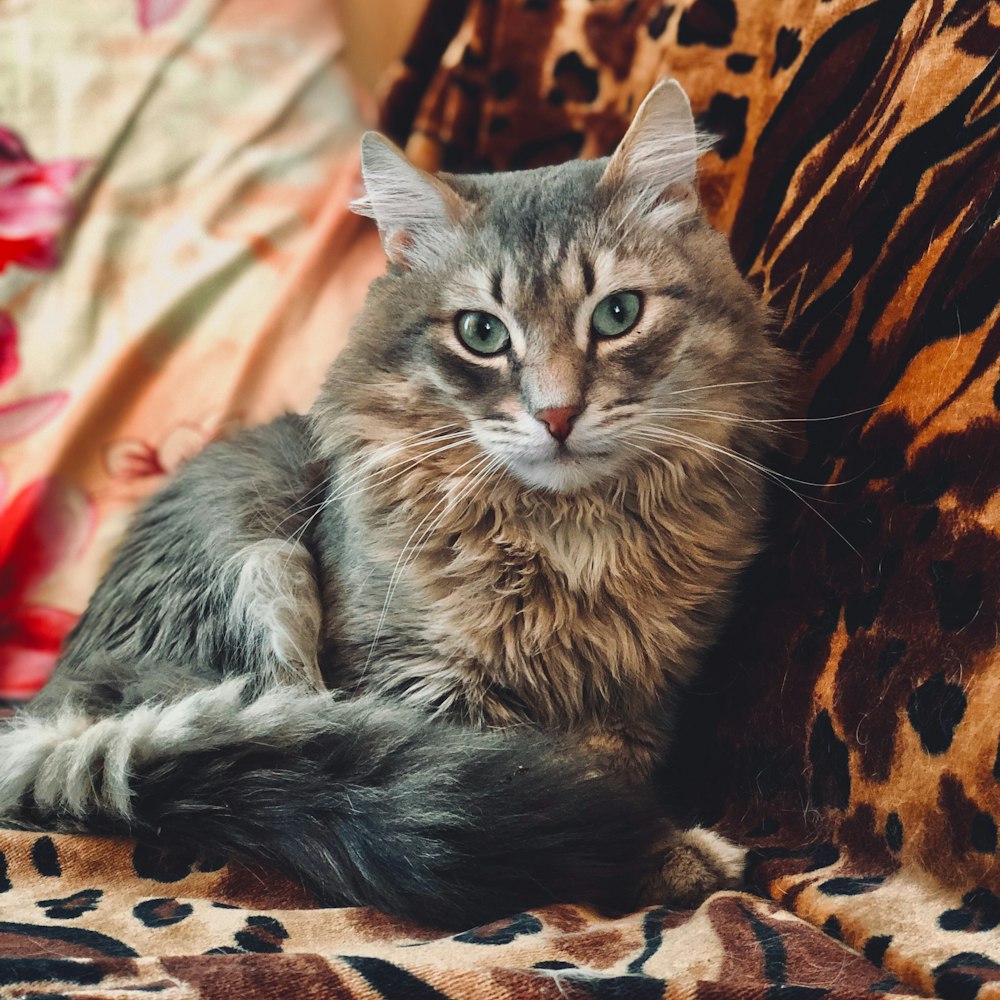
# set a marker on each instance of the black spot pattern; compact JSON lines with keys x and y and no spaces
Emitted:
{"x":45,"y":858}
{"x":72,"y":906}
{"x":787,"y":47}
{"x":894,"y":832}
{"x":726,"y":117}
{"x":850,"y":885}
{"x":980,"y":911}
{"x":5,"y":885}
{"x":876,"y":947}
{"x":774,"y":953}
{"x":984,"y":833}
{"x":47,"y":937}
{"x":708,"y":22}
{"x":390,"y":980}
{"x":935,"y":709}
{"x":262,"y":935}
{"x":575,"y":81}
{"x":52,"y":970}
{"x":658,"y":22}
{"x":961,"y":976}
{"x":161,"y":912}
{"x":831,"y":776}
{"x":740,"y":62}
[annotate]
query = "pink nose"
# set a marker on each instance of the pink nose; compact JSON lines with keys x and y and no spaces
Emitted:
{"x":559,"y":420}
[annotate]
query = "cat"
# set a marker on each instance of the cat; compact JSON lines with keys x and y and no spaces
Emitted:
{"x":422,"y":647}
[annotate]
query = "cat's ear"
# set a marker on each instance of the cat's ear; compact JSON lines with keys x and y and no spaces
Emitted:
{"x":416,"y":212}
{"x":654,"y":166}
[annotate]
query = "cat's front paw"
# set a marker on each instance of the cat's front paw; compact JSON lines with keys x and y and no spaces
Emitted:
{"x":691,"y":865}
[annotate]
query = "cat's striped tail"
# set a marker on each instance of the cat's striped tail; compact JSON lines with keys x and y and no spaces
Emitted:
{"x":365,"y":802}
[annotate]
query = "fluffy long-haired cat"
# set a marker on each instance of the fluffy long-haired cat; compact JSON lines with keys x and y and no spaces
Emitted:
{"x":420,"y":649}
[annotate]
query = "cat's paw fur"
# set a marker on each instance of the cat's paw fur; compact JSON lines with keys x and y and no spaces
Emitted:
{"x":691,"y":865}
{"x":276,"y":605}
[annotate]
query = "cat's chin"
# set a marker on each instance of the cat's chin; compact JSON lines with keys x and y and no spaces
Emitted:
{"x":562,"y":475}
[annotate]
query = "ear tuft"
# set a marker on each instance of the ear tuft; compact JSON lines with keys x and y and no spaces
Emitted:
{"x":416,"y":212}
{"x":655,"y":164}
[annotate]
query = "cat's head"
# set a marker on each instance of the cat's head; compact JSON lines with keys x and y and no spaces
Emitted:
{"x":557,"y":315}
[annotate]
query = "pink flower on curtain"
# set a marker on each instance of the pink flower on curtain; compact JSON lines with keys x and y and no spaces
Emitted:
{"x":132,"y":459}
{"x":9,"y":360}
{"x":153,"y":13}
{"x":47,"y":523}
{"x":34,"y":204}
{"x":24,"y":415}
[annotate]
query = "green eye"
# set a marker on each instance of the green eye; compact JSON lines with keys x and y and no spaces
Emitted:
{"x":482,"y":333}
{"x":616,"y":314}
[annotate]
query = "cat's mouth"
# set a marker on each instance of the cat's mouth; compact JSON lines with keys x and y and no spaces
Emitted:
{"x":565,"y":469}
{"x":565,"y":454}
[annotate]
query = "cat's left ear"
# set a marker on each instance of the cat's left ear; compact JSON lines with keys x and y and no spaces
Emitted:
{"x":654,"y":166}
{"x":416,"y":212}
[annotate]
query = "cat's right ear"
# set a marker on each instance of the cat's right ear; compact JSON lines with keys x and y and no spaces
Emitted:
{"x":416,"y":213}
{"x":654,"y":167}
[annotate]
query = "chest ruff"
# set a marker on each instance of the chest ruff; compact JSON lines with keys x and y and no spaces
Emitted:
{"x":569,"y":612}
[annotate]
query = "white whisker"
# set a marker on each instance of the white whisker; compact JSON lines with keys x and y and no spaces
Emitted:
{"x":402,"y":561}
{"x":696,"y":444}
{"x":675,"y":435}
{"x":721,"y":385}
{"x":724,"y":414}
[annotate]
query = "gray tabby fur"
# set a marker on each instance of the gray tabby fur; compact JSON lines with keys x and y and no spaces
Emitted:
{"x":421,"y":545}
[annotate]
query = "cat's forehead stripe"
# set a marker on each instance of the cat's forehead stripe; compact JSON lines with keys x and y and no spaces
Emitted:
{"x":496,"y":286}
{"x":587,"y":269}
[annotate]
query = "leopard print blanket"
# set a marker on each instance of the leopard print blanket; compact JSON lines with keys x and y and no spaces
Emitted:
{"x":847,"y":727}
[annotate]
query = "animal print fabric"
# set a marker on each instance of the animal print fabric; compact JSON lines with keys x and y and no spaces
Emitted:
{"x":849,"y":717}
{"x":846,"y":729}
{"x":90,"y":918}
